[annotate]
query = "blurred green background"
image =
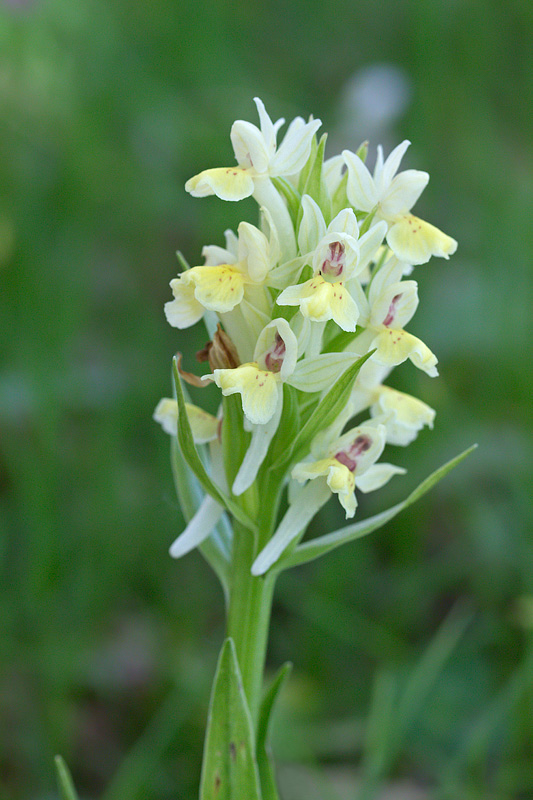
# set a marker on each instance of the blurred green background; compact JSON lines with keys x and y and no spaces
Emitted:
{"x":107,"y":646}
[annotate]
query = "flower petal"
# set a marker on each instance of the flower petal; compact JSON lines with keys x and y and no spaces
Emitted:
{"x":204,"y":426}
{"x":403,"y":415}
{"x":362,"y":446}
{"x":294,"y":150}
{"x":262,"y":435}
{"x":228,"y":183}
{"x":166,"y":413}
{"x":414,"y":241}
{"x":390,"y":272}
{"x":259,"y":390}
{"x":321,"y":301}
{"x":254,"y":251}
{"x":390,"y":167}
{"x":394,"y":347}
{"x":338,"y":477}
{"x":298,"y":516}
{"x":342,"y":482}
{"x":369,"y":243}
{"x":271,"y":354}
{"x":216,"y":288}
{"x":184,"y":310}
{"x":360,"y":189}
{"x":345,"y":222}
{"x":377,"y":476}
{"x":198,"y":528}
{"x":312,"y":227}
{"x":249,"y":146}
{"x":268,"y":128}
{"x":333,"y":171}
{"x":215,"y":256}
{"x":395,"y":306}
{"x":403,"y":192}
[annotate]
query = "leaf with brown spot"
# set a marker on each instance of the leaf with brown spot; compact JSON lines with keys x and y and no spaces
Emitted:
{"x":229,"y":772}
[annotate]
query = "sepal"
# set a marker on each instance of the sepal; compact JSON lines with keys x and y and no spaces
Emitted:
{"x":198,"y":529}
{"x":216,"y":549}
{"x":297,"y":517}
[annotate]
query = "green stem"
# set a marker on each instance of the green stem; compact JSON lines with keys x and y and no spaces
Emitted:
{"x":249,"y":616}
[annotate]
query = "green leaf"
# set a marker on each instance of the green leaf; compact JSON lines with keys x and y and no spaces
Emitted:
{"x":133,"y":778}
{"x":397,"y":704}
{"x":190,"y":454}
{"x":323,"y":544}
{"x":341,"y":340}
{"x":184,"y":264}
{"x":64,"y":780}
{"x":264,"y":755}
{"x":379,"y":726}
{"x":315,"y":185}
{"x":229,"y":769}
{"x":235,"y":440}
{"x":325,"y":412}
{"x":291,"y":195}
{"x":308,"y":166}
{"x":289,"y":422}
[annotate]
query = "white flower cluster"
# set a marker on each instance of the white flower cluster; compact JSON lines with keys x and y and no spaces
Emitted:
{"x":318,"y":285}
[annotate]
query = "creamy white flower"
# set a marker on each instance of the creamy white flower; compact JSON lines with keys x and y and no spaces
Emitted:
{"x":393,"y":195}
{"x":349,"y":463}
{"x":258,"y":156}
{"x":204,"y":426}
{"x":334,"y":252}
{"x":219,"y":286}
{"x":258,"y":160}
{"x":391,"y":304}
{"x":403,"y":415}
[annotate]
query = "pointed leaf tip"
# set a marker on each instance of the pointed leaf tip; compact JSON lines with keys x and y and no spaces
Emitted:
{"x":330,"y":541}
{"x":229,"y":770}
{"x":64,"y":780}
